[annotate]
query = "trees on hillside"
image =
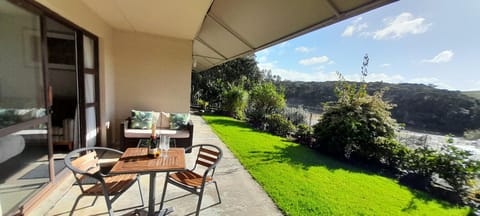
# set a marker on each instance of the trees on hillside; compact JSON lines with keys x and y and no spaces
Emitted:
{"x":419,"y":106}
{"x":210,"y":85}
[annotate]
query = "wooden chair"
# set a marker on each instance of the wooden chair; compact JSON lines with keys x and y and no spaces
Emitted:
{"x":195,"y":179}
{"x":86,"y":162}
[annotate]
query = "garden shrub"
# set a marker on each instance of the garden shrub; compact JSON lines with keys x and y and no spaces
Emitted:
{"x":421,"y":161}
{"x":457,"y":168}
{"x":304,"y":134}
{"x":357,"y":124}
{"x":391,"y":152}
{"x":451,"y":164}
{"x":279,"y":125}
{"x":234,"y":102}
{"x":203,"y":104}
{"x":264,"y":100}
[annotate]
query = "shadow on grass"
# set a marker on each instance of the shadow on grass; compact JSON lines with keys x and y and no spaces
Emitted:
{"x":303,"y":157}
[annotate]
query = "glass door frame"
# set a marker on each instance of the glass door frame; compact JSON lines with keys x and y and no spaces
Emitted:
{"x":81,"y":74}
{"x":44,"y":12}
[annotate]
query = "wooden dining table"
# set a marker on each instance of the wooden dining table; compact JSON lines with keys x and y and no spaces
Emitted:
{"x":136,"y":160}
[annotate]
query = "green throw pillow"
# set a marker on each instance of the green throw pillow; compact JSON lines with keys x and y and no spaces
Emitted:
{"x":141,"y":119}
{"x":179,"y":120}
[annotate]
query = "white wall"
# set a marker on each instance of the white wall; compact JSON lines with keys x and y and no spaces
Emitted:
{"x":137,"y":70}
{"x":152,"y":73}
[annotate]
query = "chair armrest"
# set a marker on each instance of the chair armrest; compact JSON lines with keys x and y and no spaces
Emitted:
{"x":190,"y":128}
{"x":126,"y":123}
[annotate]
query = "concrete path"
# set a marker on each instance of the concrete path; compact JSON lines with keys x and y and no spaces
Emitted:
{"x":240,"y":194}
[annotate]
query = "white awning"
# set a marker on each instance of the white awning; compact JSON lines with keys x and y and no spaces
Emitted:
{"x":222,"y":30}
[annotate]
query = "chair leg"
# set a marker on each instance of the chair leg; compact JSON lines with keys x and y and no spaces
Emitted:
{"x":109,"y":205}
{"x":200,"y":197}
{"x":218,"y":192}
{"x":94,"y":201}
{"x":107,"y":200}
{"x":164,"y":190}
{"x":140,"y":190}
{"x":75,"y":204}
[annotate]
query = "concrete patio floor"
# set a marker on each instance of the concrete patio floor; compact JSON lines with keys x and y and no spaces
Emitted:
{"x":240,"y":194}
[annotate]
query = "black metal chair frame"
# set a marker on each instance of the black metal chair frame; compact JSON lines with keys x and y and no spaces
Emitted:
{"x":199,"y":189}
{"x":99,"y":176}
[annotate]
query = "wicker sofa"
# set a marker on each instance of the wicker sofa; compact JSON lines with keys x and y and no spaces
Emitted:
{"x":179,"y":137}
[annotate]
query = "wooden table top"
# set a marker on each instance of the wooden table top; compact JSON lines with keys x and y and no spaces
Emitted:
{"x":136,"y":160}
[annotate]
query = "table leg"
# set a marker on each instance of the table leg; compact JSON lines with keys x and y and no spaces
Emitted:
{"x":151,"y":194}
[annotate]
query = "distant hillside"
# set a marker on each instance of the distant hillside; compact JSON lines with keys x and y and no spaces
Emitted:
{"x":419,"y":106}
{"x":474,"y":94}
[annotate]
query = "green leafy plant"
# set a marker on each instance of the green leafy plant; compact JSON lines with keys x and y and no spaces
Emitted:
{"x":279,"y":125}
{"x":234,"y":102}
{"x":357,"y":124}
{"x":422,"y":161}
{"x":304,"y":134}
{"x":264,"y":100}
{"x":457,"y":167}
{"x":452,"y":164}
{"x":449,"y":138}
{"x":203,"y":104}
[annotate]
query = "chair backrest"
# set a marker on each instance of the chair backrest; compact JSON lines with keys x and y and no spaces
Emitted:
{"x":87,"y":164}
{"x":208,"y":156}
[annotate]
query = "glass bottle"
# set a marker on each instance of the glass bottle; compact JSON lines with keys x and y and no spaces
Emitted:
{"x":153,"y":147}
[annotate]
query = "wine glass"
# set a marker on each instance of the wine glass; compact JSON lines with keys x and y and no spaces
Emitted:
{"x":164,"y":145}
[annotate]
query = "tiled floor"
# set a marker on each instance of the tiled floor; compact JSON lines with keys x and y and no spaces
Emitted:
{"x":240,"y":194}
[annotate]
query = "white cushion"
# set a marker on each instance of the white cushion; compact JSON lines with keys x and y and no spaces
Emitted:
{"x":140,"y":133}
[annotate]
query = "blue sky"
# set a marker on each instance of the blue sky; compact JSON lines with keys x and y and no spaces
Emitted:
{"x":428,"y":41}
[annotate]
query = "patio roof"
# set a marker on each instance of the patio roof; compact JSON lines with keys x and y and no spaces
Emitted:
{"x":223,"y":30}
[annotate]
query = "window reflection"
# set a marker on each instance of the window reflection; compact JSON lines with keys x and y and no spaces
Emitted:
{"x":22,"y":95}
{"x":24,"y":165}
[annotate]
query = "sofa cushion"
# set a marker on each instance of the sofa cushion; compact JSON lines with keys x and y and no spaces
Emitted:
{"x":139,"y":133}
{"x":164,"y":120}
{"x":141,"y":119}
{"x":179,"y":120}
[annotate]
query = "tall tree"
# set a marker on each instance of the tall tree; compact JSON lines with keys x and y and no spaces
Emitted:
{"x":210,"y":84}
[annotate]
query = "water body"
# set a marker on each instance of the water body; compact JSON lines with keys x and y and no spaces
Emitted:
{"x":416,"y":140}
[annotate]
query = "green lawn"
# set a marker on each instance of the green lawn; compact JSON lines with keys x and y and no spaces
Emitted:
{"x":303,"y":182}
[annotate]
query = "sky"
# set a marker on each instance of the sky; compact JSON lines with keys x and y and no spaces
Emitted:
{"x":429,"y":41}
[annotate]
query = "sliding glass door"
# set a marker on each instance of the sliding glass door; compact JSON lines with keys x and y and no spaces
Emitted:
{"x":24,"y":143}
{"x":43,"y":65}
{"x":88,"y":81}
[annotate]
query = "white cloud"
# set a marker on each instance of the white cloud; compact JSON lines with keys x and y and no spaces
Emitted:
{"x":262,"y":59}
{"x":403,"y":24}
{"x":266,"y":65}
{"x":303,"y":49}
{"x":385,"y":65}
{"x":442,"y":57}
{"x":283,"y":44}
{"x":314,"y":60}
{"x":382,"y":77}
{"x":331,"y":62}
{"x":356,"y":26}
{"x":321,"y":75}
